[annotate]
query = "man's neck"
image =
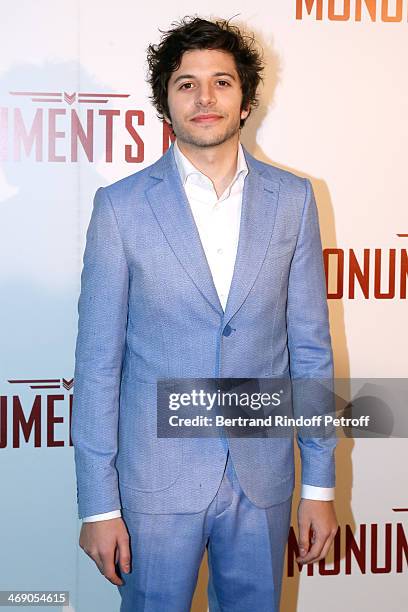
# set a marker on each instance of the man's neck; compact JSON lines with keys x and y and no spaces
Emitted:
{"x":219,"y":163}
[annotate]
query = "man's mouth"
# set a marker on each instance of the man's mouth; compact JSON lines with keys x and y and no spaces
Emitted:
{"x":206,"y":118}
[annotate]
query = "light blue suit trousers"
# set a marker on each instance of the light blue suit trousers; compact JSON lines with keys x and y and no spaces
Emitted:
{"x":245,"y":544}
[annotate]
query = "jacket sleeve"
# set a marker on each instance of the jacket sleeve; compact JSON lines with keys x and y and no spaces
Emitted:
{"x":310,"y":350}
{"x":99,"y":352}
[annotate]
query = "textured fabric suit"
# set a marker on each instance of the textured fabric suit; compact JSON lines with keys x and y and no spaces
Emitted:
{"x":149,"y":309}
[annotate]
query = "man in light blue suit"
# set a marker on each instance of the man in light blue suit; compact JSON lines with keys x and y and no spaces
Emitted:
{"x":205,"y":265}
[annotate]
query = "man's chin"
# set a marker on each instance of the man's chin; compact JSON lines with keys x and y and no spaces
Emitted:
{"x":205,"y":140}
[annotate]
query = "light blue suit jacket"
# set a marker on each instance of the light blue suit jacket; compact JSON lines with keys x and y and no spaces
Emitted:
{"x":148,"y":309}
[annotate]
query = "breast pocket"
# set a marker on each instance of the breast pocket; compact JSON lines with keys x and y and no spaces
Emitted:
{"x":282,"y":246}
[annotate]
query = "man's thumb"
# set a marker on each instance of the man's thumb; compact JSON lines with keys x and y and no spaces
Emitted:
{"x":303,"y":541}
{"x":124,"y":556}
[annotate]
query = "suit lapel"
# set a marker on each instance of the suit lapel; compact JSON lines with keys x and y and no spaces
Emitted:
{"x":259,"y":206}
{"x":171,"y":208}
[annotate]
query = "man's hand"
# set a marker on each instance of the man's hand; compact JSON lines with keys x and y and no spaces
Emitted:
{"x":317,"y":527}
{"x":107,"y":543}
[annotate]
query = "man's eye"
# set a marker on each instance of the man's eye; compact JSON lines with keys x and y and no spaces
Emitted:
{"x":184,"y":84}
{"x":222,"y":81}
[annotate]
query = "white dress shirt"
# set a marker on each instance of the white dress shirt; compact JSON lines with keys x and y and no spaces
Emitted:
{"x":212,"y":215}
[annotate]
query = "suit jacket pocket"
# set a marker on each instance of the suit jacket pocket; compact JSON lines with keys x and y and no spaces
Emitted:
{"x":144,"y":461}
{"x":281,"y":246}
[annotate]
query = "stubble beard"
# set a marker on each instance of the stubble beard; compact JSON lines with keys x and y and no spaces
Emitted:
{"x":205,"y":140}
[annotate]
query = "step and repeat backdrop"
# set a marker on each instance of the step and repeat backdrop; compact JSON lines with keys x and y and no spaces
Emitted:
{"x":75,"y":114}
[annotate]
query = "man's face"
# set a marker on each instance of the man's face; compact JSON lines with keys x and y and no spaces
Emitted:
{"x":204,"y":98}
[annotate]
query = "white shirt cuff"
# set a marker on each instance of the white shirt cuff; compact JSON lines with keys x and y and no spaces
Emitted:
{"x":102,"y":517}
{"x":320,"y":493}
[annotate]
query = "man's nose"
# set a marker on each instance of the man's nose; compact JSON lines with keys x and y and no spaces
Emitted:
{"x":205,"y":95}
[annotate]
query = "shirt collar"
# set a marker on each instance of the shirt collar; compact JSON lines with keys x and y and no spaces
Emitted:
{"x":186,"y":168}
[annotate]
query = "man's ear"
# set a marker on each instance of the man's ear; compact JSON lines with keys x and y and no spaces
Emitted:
{"x":245,"y":112}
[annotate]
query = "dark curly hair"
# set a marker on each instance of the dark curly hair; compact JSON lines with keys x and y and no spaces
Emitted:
{"x":196,"y":33}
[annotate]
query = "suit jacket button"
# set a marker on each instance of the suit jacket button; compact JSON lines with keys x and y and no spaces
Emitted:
{"x":227,"y":330}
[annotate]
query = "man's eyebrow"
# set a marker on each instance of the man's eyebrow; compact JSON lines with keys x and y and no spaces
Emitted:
{"x":192,"y":76}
